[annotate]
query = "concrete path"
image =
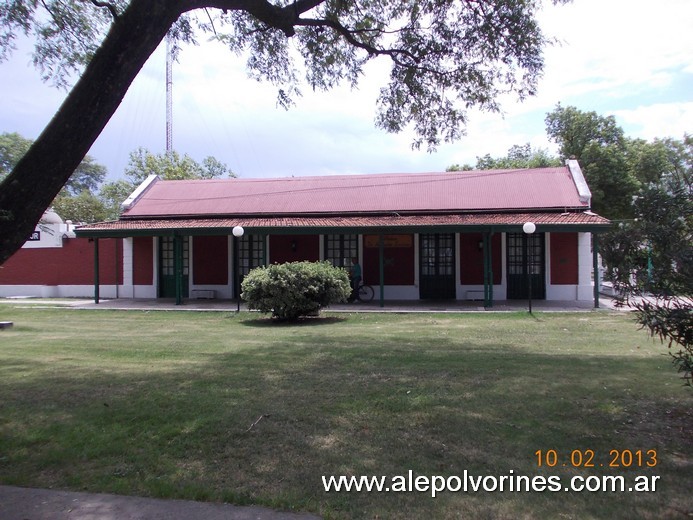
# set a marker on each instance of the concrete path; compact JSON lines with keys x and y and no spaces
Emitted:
{"x":43,"y":504}
{"x":453,"y":306}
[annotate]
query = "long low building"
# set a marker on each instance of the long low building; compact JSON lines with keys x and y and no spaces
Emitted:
{"x":449,"y":235}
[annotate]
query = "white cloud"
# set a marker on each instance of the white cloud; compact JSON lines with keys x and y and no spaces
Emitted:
{"x":616,"y":48}
{"x":659,"y":120}
{"x":627,"y":58}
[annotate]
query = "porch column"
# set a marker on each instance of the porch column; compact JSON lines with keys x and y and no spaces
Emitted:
{"x":96,"y":270}
{"x":488,"y":270}
{"x":489,"y":242}
{"x":595,"y":267}
{"x":178,"y":267}
{"x":128,"y":267}
{"x":381,"y":267}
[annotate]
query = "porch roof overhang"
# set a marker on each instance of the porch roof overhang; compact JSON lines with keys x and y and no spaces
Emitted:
{"x":366,"y":224}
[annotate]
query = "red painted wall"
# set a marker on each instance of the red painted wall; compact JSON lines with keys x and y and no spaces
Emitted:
{"x":211,"y":260}
{"x":294,"y":248}
{"x":72,"y":264}
{"x":143,"y":261}
{"x":398,"y":259}
{"x":472,"y":259}
{"x":564,"y":258}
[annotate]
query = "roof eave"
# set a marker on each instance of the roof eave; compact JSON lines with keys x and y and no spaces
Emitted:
{"x":329,"y":214}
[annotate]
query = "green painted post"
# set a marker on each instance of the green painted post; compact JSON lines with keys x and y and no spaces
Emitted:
{"x":178,"y":267}
{"x":264,"y":249}
{"x":381,"y":266}
{"x":489,"y":260}
{"x":595,"y":266}
{"x":485,"y":251}
{"x":96,"y":270}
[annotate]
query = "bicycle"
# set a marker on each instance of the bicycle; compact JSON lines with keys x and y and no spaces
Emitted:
{"x":365,"y":293}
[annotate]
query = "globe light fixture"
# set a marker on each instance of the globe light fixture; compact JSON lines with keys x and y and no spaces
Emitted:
{"x":237,"y":233}
{"x":529,"y":228}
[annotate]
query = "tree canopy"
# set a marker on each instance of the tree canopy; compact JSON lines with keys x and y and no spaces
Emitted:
{"x":446,"y":56}
{"x":600,"y":147}
{"x":647,"y":188}
{"x":518,"y":157}
{"x":86,"y":199}
{"x":172,"y":166}
{"x":87,"y":177}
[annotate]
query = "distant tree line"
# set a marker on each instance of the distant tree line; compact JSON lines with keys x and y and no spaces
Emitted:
{"x":86,"y":198}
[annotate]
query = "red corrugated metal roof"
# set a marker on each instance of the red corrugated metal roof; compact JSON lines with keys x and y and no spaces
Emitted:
{"x":494,"y":190}
{"x":296,"y":224}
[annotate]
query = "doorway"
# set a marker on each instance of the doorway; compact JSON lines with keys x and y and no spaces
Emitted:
{"x":437,"y":266}
{"x":526,"y":254}
{"x":167,"y":266}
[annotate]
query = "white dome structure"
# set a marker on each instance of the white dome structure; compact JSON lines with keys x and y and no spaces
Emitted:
{"x":51,"y":217}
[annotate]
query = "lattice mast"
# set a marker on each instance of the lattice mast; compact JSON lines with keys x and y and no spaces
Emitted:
{"x":169,"y":95}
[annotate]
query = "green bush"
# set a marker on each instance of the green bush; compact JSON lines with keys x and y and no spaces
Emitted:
{"x":295,"y":289}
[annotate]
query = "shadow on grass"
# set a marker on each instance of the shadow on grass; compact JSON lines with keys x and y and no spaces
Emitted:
{"x":259,"y":416}
{"x":310,"y":321}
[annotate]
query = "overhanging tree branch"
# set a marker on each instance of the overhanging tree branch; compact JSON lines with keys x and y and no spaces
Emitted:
{"x":455,"y":50}
{"x":107,"y":5}
{"x":349,"y":36}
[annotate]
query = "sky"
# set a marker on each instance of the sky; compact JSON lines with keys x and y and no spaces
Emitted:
{"x":627,"y":58}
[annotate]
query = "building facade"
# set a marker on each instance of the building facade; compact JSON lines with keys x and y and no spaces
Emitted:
{"x":451,"y":235}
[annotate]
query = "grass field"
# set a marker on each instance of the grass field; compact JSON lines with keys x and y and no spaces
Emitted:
{"x":225,"y":407}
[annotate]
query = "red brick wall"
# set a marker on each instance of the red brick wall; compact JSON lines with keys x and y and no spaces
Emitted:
{"x":294,"y":248}
{"x":143,"y":261}
{"x":211,"y":260}
{"x":472,"y":259}
{"x":72,"y":264}
{"x":398,"y":258}
{"x":564,"y":258}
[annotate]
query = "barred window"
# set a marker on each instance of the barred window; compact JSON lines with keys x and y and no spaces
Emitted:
{"x":168,"y":255}
{"x":340,"y":249}
{"x":251,"y":253}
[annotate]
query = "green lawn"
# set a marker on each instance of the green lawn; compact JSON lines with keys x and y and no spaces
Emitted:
{"x":166,"y":404}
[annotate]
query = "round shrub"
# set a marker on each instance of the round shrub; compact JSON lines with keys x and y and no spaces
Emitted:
{"x":295,"y":289}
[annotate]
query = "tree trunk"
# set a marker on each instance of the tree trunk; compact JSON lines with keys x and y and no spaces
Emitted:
{"x":43,"y":171}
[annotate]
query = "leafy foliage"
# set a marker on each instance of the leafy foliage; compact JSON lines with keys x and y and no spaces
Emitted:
{"x":650,"y":262}
{"x":112,"y":195}
{"x":295,"y":289}
{"x":446,"y":57}
{"x":82,"y":208}
{"x":87,"y":177}
{"x":12,"y":147}
{"x":574,"y":130}
{"x":172,"y":166}
{"x":672,"y":322}
{"x":648,"y":188}
{"x":600,"y":147}
{"x":518,"y":157}
{"x":85,"y":199}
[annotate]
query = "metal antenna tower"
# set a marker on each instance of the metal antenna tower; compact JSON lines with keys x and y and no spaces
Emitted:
{"x":169,"y":95}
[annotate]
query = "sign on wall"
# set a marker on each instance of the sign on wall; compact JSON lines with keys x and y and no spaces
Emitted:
{"x":45,"y":235}
{"x":389,"y":241}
